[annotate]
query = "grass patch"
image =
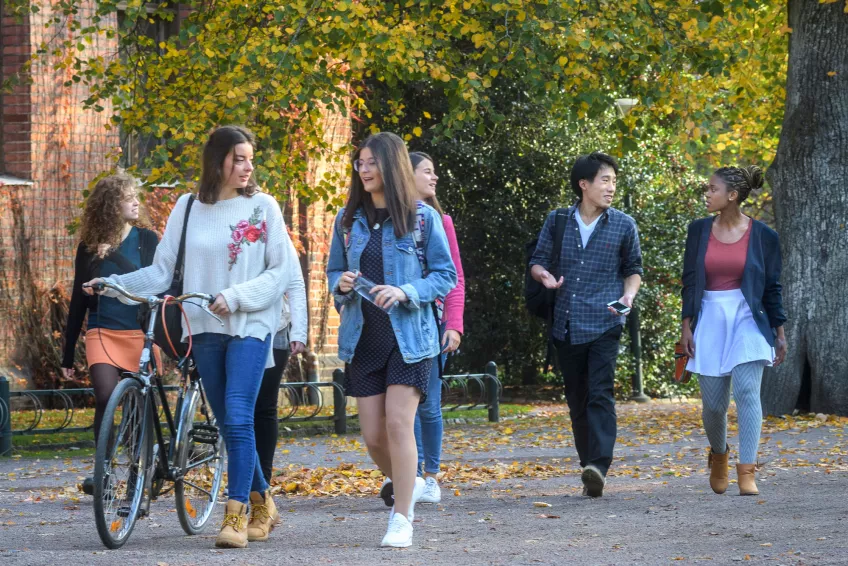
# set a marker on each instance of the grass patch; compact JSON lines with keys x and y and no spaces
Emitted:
{"x":49,"y":445}
{"x":507,"y":410}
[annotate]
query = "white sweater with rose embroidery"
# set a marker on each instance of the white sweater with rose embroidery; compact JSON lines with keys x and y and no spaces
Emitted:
{"x":238,"y":247}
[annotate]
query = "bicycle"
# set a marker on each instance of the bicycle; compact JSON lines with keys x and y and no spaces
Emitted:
{"x":128,"y":464}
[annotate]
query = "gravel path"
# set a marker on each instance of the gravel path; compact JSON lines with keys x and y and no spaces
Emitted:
{"x":657,"y":507}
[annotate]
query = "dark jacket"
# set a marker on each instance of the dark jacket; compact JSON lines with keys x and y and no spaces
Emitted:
{"x":87,"y":267}
{"x":760,"y":280}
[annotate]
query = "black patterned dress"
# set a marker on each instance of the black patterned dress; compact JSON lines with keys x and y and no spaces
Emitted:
{"x":377,"y":361}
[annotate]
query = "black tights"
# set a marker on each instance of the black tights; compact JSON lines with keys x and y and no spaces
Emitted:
{"x":265,"y":423}
{"x":104,"y":379}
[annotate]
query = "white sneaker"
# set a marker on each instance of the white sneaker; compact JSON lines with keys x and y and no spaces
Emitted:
{"x":399,"y":533}
{"x":432,"y":492}
{"x":417,"y":492}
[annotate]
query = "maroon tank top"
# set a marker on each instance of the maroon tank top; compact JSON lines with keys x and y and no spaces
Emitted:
{"x":725,"y":263}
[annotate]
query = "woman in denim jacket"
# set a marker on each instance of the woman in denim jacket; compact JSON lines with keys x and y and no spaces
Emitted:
{"x":388,"y":344}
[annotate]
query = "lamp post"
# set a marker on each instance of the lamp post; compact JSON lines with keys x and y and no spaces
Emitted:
{"x":624,"y":106}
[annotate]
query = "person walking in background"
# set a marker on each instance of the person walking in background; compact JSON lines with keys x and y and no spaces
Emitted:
{"x":732,"y":318}
{"x":429,"y":427}
{"x":113,"y":241}
{"x":238,"y":250}
{"x":600,"y":265}
{"x":389,"y":344}
{"x":290,"y":340}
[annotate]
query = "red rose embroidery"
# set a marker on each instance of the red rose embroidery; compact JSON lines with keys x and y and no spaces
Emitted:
{"x":246,"y":232}
{"x":252,"y":234}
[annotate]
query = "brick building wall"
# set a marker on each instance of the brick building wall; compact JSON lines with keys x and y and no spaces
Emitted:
{"x":51,"y":148}
{"x":56,"y":147}
{"x":324,"y":321}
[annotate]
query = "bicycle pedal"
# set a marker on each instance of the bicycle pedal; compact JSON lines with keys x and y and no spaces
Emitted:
{"x":204,"y":434}
{"x":124,"y":512}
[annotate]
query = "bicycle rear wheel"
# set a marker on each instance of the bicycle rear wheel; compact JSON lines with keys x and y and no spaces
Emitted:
{"x":200,"y":460}
{"x":121,"y":463}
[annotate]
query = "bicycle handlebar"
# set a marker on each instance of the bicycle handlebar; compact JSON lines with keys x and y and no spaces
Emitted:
{"x":152,"y":299}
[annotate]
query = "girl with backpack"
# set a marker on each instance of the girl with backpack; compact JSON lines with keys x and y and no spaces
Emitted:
{"x":389,"y":339}
{"x":428,"y":422}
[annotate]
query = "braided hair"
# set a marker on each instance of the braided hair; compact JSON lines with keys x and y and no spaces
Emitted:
{"x":743,"y":180}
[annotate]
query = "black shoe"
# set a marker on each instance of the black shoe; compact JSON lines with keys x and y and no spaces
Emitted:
{"x":88,"y":486}
{"x":593,"y":481}
{"x":387,"y":493}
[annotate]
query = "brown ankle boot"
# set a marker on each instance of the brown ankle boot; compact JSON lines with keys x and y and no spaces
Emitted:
{"x":263,"y":516}
{"x":234,"y":528}
{"x":747,"y":483}
{"x":717,"y":464}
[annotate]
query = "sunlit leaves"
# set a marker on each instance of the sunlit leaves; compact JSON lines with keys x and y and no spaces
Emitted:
{"x":280,"y":66}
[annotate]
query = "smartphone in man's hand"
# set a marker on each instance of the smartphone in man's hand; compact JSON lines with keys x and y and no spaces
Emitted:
{"x":619,"y":307}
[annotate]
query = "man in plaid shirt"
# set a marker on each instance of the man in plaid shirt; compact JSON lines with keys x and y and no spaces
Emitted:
{"x":600,"y":262}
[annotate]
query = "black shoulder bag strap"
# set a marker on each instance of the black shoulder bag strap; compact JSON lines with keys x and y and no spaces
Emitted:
{"x":179,"y":267}
{"x":559,"y":233}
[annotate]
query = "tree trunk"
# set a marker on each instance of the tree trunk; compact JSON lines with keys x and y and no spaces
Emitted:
{"x":809,"y":179}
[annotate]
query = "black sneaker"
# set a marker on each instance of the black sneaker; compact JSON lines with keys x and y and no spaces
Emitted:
{"x":88,"y":486}
{"x":593,"y":481}
{"x":387,"y":493}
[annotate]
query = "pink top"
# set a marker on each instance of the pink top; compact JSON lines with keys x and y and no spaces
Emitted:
{"x":725,"y":263}
{"x":455,"y":300}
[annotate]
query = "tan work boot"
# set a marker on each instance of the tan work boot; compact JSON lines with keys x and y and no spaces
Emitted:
{"x":718,"y":470}
{"x":263,"y":516}
{"x":747,"y":483}
{"x":234,"y":528}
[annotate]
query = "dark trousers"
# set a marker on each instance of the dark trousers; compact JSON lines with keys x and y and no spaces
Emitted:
{"x":588,"y":374}
{"x":265,"y":423}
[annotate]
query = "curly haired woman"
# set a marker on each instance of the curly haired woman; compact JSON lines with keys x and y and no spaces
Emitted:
{"x":112,"y":241}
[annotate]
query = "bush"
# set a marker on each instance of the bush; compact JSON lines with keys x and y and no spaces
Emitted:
{"x":499,"y":181}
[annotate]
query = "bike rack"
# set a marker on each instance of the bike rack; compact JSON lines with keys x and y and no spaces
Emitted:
{"x":474,"y":391}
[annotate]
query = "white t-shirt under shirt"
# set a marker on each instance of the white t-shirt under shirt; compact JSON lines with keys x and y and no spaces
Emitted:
{"x":586,"y":230}
{"x":238,"y":247}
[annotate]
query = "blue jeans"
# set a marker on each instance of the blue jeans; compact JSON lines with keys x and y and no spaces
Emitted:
{"x":231,"y":370}
{"x":428,"y":423}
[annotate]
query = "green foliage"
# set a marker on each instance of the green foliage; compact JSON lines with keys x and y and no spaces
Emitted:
{"x":505,"y":94}
{"x":499,"y":185}
{"x":711,"y":72}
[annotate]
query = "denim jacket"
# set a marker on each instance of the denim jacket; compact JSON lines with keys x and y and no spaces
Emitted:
{"x":413,"y":322}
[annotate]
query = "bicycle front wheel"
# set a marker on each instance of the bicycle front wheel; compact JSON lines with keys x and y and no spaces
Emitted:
{"x":199,"y":459}
{"x":121,"y":462}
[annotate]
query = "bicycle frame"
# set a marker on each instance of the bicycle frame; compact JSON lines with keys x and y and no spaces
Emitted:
{"x":162,"y":467}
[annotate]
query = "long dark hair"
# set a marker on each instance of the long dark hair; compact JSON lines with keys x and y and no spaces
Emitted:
{"x":219,"y":145}
{"x":743,"y":180}
{"x":416,"y":157}
{"x":398,"y":184}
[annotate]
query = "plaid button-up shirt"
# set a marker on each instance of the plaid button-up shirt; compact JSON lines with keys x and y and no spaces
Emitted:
{"x":594,"y":276}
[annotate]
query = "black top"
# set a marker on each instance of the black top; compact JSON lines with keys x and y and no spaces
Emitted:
{"x":760,"y":280}
{"x":111,"y":313}
{"x":87,"y":266}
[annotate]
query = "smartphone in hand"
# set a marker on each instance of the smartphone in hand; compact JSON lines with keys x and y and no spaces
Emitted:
{"x":618,"y":307}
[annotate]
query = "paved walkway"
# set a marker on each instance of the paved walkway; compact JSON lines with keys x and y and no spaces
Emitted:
{"x":499,"y":479}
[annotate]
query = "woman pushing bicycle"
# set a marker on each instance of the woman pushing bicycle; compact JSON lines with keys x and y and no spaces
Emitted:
{"x":238,"y":250}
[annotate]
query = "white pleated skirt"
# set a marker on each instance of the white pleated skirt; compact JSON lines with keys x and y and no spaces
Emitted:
{"x":727,"y":335}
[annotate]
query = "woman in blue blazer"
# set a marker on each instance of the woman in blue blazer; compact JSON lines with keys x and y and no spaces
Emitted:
{"x":732,"y":317}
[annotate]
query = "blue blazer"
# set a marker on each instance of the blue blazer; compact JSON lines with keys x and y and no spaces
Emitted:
{"x":760,"y":280}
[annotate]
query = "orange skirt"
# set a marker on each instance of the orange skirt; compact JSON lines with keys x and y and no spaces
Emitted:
{"x":119,"y":348}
